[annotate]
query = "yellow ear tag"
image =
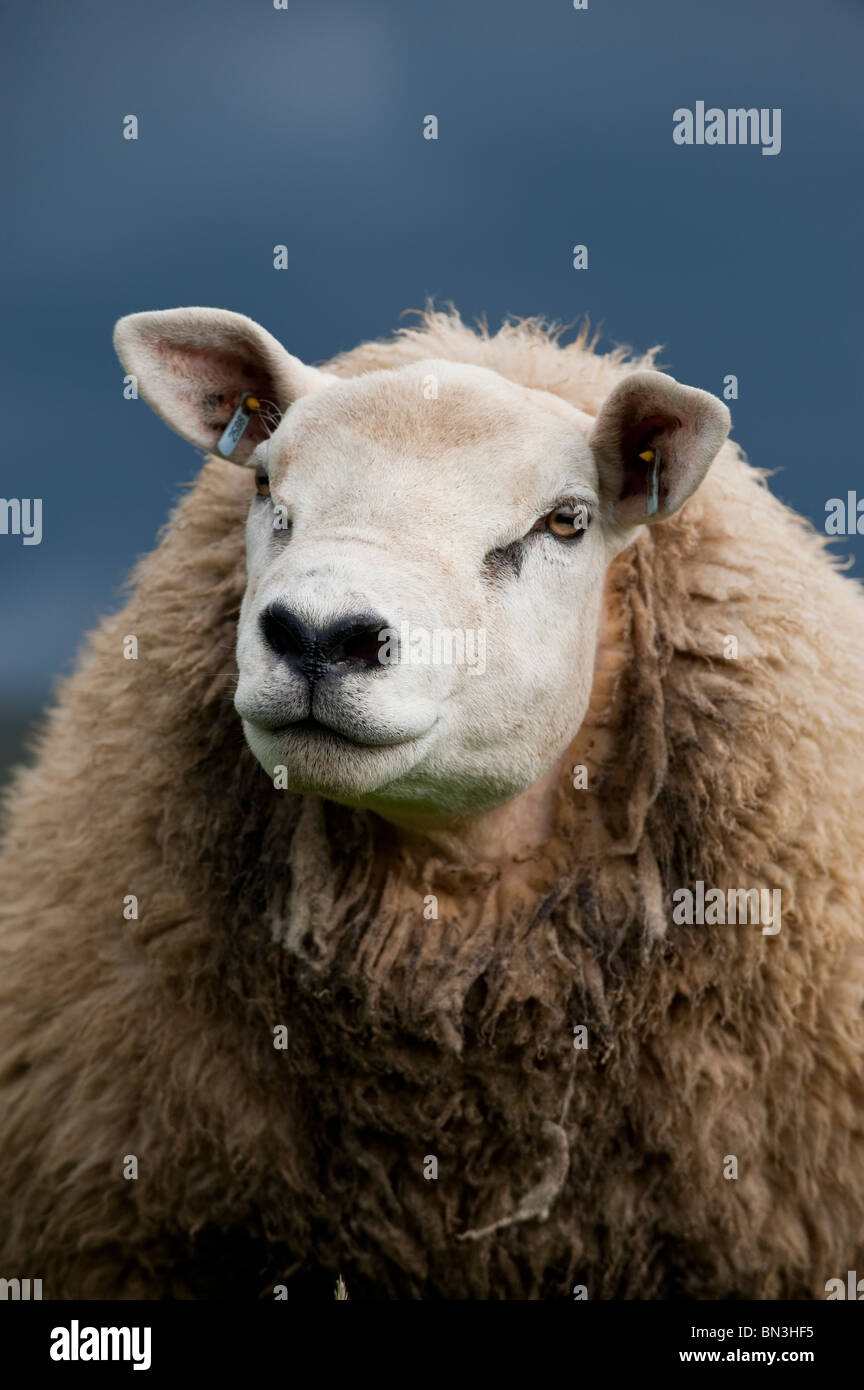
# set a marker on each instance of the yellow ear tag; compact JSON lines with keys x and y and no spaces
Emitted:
{"x":237,"y":424}
{"x":647,"y":455}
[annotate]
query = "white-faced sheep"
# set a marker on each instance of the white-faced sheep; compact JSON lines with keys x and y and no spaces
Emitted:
{"x":402,"y":984}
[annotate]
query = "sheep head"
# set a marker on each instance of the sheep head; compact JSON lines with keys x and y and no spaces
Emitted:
{"x":426,"y":553}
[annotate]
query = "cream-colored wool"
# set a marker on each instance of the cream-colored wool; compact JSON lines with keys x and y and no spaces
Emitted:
{"x":409,"y":1037}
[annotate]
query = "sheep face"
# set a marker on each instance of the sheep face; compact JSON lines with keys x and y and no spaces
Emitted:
{"x":425,"y":572}
{"x":426,"y":554}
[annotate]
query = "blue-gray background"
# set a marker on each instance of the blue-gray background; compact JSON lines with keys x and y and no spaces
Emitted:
{"x":304,"y":126}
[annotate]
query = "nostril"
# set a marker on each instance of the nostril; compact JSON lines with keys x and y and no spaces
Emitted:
{"x":350,"y":643}
{"x":357,"y":644}
{"x":284,"y":632}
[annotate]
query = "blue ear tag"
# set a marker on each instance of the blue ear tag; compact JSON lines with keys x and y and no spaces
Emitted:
{"x":652,"y":501}
{"x":237,"y":424}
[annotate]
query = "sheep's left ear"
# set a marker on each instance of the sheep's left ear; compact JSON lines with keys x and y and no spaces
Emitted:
{"x":654,"y":441}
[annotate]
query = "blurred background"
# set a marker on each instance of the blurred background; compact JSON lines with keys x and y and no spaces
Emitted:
{"x":304,"y":127}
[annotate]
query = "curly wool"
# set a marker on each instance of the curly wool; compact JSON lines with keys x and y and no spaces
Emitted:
{"x":407,"y":1037}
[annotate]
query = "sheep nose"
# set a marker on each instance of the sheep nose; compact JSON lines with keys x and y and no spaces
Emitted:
{"x":350,"y":644}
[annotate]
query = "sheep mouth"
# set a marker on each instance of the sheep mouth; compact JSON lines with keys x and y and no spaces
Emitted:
{"x":317,"y":731}
{"x":313,"y":728}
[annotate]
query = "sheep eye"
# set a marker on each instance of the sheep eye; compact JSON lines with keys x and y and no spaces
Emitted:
{"x":262,"y":482}
{"x":567,"y":523}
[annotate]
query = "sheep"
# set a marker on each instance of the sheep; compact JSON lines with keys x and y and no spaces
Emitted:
{"x":314,"y":965}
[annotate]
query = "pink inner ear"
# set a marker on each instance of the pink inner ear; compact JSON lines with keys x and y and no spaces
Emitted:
{"x":208,"y":387}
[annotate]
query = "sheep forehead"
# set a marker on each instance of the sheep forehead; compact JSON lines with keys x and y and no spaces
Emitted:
{"x":476,"y":437}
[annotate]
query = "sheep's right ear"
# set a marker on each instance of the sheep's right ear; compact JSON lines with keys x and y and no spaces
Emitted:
{"x":198,"y":367}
